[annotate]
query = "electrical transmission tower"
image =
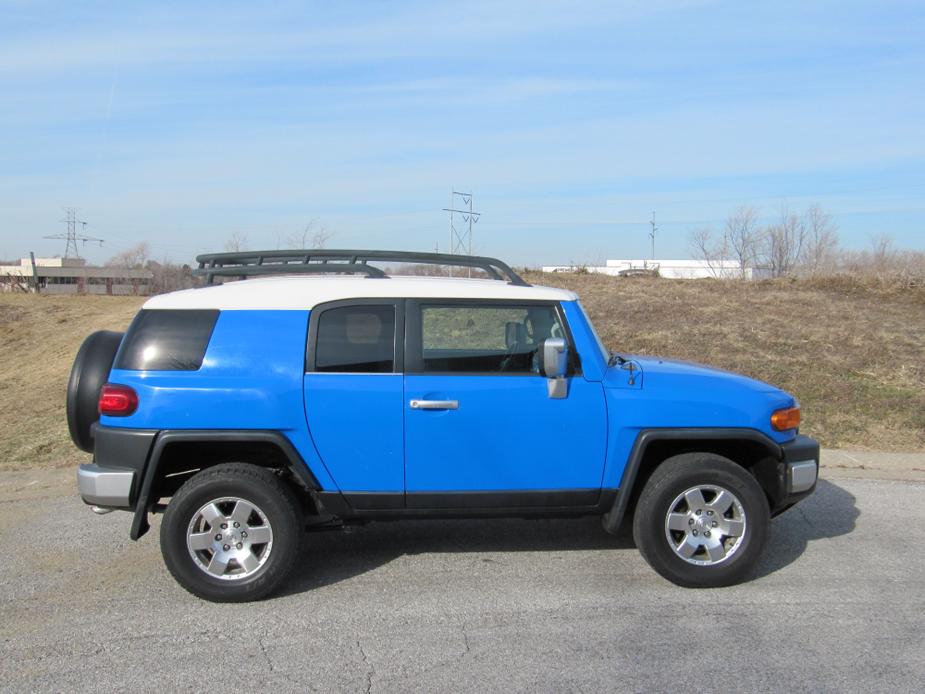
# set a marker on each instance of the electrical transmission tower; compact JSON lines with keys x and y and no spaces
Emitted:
{"x":71,"y":236}
{"x":461,"y":231}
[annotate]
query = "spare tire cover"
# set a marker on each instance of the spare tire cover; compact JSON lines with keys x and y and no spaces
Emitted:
{"x":89,"y":373}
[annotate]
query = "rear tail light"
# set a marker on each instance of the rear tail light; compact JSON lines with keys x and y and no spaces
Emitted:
{"x":786,"y":419}
{"x":117,"y":401}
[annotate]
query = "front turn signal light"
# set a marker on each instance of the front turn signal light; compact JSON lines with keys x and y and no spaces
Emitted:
{"x":786,"y":419}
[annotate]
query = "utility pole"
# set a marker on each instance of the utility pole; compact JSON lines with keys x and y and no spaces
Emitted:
{"x":461,"y":233}
{"x":652,"y":234}
{"x":71,"y":236}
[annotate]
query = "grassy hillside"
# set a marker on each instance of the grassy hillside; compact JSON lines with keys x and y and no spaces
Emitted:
{"x":39,"y":337}
{"x":854,"y":355}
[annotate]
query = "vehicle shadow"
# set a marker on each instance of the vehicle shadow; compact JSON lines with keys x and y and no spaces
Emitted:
{"x":332,"y":556}
{"x":829,"y":512}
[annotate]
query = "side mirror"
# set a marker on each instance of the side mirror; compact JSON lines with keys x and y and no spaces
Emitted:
{"x":555,"y":364}
{"x":555,"y":357}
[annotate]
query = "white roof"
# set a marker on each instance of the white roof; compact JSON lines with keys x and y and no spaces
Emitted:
{"x":301,"y":293}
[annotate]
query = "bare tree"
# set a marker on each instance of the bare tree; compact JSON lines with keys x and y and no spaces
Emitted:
{"x":237,"y":243}
{"x":311,"y":237}
{"x":132,"y":258}
{"x":742,"y":236}
{"x":820,"y":250}
{"x":706,"y":247}
{"x":882,"y":253}
{"x":782,"y":245}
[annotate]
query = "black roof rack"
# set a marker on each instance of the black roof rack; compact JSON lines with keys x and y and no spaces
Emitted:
{"x":254,"y":263}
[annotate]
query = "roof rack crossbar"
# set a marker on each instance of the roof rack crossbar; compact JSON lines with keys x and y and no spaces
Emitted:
{"x":306,"y":261}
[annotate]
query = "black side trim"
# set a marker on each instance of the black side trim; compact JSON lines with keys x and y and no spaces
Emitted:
{"x":144,"y":501}
{"x":528,"y":503}
{"x":367,"y":501}
{"x":614,"y":517}
{"x":544,"y":498}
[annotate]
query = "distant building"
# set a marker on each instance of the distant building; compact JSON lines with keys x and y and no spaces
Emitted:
{"x":673,"y":269}
{"x":73,"y":276}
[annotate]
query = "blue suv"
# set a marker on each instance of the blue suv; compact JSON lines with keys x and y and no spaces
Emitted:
{"x":317,"y":389}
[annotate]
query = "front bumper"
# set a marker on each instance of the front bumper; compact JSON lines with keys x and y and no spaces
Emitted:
{"x":798,"y":472}
{"x":107,"y":487}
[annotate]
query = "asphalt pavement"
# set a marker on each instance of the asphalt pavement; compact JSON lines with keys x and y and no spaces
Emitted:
{"x":836,"y":604}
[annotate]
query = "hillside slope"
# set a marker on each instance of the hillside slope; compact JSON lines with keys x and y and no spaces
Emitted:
{"x":852,"y":353}
{"x":854,"y":356}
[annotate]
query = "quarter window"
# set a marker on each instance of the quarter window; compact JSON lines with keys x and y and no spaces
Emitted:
{"x":356,"y":339}
{"x":166,"y":340}
{"x":486,"y":339}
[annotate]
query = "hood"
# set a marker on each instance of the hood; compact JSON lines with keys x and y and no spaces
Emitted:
{"x":656,"y":373}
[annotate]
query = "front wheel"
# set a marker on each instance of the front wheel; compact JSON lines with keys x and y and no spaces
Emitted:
{"x":231,"y":533}
{"x":701,"y":521}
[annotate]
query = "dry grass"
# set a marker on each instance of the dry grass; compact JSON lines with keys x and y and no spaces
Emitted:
{"x":852,"y":352}
{"x":39,"y":338}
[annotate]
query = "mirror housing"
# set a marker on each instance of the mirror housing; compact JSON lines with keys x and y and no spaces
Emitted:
{"x":555,"y":365}
{"x":555,"y":357}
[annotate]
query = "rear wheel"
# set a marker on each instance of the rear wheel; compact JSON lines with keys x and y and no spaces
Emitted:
{"x":701,"y":521}
{"x":231,"y":533}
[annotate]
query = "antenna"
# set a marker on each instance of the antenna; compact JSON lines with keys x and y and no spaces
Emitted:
{"x":71,"y":236}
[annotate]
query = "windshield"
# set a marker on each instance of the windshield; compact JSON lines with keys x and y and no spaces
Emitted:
{"x":597,"y":338}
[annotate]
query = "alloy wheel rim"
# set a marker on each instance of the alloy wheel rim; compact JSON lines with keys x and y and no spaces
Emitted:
{"x":229,"y":538}
{"x":705,"y":525}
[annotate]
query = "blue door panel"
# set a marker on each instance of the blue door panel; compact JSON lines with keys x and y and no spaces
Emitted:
{"x":507,"y":434}
{"x":355,"y":421}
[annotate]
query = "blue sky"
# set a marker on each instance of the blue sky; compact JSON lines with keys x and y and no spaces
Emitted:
{"x":182,"y":124}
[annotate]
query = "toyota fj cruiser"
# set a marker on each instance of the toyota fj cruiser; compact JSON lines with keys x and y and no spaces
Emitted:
{"x":333,"y":391}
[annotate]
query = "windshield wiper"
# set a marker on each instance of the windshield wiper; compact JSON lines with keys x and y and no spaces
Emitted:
{"x":615,"y":359}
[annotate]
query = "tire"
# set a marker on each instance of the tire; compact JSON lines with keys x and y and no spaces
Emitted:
{"x":88,"y":374}
{"x":237,"y":563}
{"x":701,"y":541}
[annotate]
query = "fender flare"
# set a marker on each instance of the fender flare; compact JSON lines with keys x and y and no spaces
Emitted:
{"x":296,"y":464}
{"x":613,"y":518}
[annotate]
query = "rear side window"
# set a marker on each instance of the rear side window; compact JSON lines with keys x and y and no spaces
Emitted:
{"x":356,"y":339}
{"x":166,"y":340}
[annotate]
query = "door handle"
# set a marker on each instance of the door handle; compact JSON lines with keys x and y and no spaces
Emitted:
{"x":434,"y":404}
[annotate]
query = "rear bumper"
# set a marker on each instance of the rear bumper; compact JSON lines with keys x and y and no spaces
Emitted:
{"x":798,"y":472}
{"x":113,"y":478}
{"x":107,"y":487}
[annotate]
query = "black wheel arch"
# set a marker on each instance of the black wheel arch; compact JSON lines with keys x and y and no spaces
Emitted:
{"x":750,"y":448}
{"x":168,"y":464}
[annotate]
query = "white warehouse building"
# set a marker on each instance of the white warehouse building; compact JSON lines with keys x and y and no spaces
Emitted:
{"x":672,"y":269}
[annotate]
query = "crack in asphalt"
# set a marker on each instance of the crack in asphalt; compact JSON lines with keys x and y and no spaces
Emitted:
{"x":370,"y":671}
{"x":261,"y":643}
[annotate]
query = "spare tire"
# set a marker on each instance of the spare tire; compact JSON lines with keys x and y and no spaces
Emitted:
{"x":89,"y":373}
